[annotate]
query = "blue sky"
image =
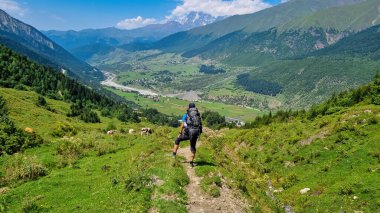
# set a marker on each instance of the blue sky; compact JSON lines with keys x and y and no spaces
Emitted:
{"x":83,"y":14}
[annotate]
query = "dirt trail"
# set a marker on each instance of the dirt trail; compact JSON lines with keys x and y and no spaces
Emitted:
{"x":200,"y":202}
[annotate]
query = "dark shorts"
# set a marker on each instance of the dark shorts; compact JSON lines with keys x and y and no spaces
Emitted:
{"x":189,"y":134}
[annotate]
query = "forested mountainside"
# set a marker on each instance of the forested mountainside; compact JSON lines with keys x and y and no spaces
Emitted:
{"x":28,"y":41}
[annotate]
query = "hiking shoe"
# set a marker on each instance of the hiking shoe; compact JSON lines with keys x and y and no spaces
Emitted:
{"x":174,"y":155}
{"x":192,"y":164}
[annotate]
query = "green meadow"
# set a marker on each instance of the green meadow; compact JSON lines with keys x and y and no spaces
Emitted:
{"x":175,"y":106}
{"x":84,"y":169}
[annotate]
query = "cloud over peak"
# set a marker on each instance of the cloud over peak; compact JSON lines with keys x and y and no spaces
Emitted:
{"x":134,"y":23}
{"x":214,"y":8}
{"x":219,"y":7}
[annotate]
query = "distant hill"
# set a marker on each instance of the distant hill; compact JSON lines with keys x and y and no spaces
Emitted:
{"x":246,"y":24}
{"x":74,"y":41}
{"x":350,"y":62}
{"x":28,"y":41}
{"x":363,"y":44}
{"x":300,"y":36}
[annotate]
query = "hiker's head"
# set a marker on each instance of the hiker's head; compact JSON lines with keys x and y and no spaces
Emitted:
{"x":191,"y":105}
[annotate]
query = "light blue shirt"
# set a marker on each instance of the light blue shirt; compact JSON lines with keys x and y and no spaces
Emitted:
{"x":184,"y":120}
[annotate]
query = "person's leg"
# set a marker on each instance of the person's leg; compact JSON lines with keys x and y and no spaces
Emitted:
{"x":193,"y":146}
{"x":183,"y":137}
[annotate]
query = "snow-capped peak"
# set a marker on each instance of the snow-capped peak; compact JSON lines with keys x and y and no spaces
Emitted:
{"x":196,"y":19}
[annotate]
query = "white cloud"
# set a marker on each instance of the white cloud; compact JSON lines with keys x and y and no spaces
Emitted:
{"x":12,"y":7}
{"x":219,"y":7}
{"x":135,"y":23}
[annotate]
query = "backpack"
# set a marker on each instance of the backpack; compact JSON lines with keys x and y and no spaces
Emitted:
{"x":193,"y":118}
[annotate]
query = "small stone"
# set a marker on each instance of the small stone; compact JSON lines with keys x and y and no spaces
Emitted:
{"x":278,"y":190}
{"x":355,"y":197}
{"x":304,"y":191}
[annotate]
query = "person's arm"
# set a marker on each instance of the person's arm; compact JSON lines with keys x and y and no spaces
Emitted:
{"x":182,"y":128}
{"x":183,"y":124}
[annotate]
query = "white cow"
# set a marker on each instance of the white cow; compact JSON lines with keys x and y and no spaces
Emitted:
{"x":146,"y":131}
{"x":111,"y":132}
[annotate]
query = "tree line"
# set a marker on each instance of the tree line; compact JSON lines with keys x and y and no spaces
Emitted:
{"x":19,"y":72}
{"x":258,"y":85}
{"x":369,"y":94}
{"x":211,"y":69}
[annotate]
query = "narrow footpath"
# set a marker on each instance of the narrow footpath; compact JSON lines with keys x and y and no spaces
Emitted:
{"x":200,"y":202}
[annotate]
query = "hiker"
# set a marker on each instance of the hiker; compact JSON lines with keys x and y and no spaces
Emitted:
{"x":191,"y":129}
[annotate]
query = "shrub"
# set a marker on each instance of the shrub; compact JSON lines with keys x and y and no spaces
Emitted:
{"x":138,"y":182}
{"x":84,"y":113}
{"x":289,"y":181}
{"x":22,"y":167}
{"x":111,"y":125}
{"x":211,"y":185}
{"x":64,"y":129}
{"x":346,"y":190}
{"x":13,"y":140}
{"x":372,"y":120}
{"x":30,"y":205}
{"x":41,"y":101}
{"x":68,"y":152}
{"x":3,"y":108}
{"x":89,"y":116}
{"x":213,"y":119}
{"x":105,"y":148}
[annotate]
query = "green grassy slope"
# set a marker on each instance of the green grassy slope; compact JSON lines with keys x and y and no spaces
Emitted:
{"x":89,"y":171}
{"x":336,"y":155}
{"x":363,"y":44}
{"x":351,"y":17}
{"x":256,"y":22}
{"x":313,"y":80}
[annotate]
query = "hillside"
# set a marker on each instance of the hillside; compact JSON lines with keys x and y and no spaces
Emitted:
{"x":325,"y":159}
{"x":80,"y":168}
{"x":28,"y":41}
{"x":331,"y":149}
{"x":296,"y":52}
{"x":354,"y":17}
{"x":363,"y":44}
{"x":248,"y":24}
{"x":53,"y":129}
{"x":299,"y":36}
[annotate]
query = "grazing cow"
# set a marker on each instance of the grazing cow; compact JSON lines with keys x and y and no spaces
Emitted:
{"x":146,"y":131}
{"x":28,"y":130}
{"x":132,"y":131}
{"x":111,"y":132}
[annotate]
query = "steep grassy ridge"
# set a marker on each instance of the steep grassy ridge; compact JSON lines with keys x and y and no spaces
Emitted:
{"x":82,"y":169}
{"x":335,"y":154}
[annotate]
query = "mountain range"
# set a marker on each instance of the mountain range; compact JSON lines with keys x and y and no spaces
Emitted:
{"x":30,"y":42}
{"x":311,"y":49}
{"x":299,"y":27}
{"x":112,"y":36}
